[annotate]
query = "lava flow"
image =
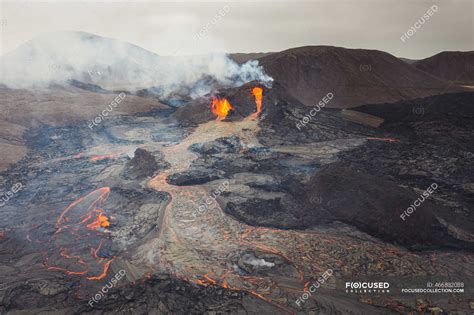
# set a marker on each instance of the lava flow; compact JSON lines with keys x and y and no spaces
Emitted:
{"x":257,"y":92}
{"x":221,"y":107}
{"x":75,"y":248}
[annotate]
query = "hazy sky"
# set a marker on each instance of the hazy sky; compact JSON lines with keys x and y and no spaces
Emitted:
{"x":248,"y":26}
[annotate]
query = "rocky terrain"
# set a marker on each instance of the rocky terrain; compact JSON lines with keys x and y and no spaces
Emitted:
{"x":23,"y":109}
{"x":173,"y":209}
{"x":280,"y":218}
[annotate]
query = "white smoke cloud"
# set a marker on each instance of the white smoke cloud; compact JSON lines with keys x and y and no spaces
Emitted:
{"x":55,"y":58}
{"x":257,"y":262}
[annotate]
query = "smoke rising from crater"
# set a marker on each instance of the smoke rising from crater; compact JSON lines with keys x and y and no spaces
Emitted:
{"x":55,"y":58}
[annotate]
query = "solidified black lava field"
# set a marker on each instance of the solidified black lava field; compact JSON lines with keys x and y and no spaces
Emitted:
{"x":333,"y":178}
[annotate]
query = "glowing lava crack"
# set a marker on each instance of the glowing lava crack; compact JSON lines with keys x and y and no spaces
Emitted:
{"x":80,"y":235}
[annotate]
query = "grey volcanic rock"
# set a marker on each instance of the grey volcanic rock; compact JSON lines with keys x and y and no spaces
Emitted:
{"x":374,"y":205}
{"x":144,"y":164}
{"x":265,"y":212}
{"x":221,"y":145}
{"x":193,"y":177}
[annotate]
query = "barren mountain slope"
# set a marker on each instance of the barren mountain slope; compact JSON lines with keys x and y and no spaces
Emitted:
{"x":455,"y":66}
{"x":355,"y":76}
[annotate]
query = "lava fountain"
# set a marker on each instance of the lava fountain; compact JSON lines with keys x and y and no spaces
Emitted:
{"x":221,"y":107}
{"x":257,"y":92}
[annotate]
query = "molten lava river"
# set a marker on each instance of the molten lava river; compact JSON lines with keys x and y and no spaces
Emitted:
{"x":200,"y":248}
{"x":204,"y":248}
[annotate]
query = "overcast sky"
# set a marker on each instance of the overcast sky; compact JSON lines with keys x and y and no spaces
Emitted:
{"x":249,"y":26}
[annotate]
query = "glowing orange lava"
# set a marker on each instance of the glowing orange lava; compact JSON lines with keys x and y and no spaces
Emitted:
{"x":221,"y":107}
{"x":75,"y":246}
{"x":258,"y":92}
{"x":101,"y":221}
{"x":94,"y":198}
{"x":104,"y":272}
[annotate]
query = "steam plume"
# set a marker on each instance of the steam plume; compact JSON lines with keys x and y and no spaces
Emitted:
{"x":55,"y":58}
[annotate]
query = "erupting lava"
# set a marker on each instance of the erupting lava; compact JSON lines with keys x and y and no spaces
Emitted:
{"x":258,"y":92}
{"x":221,"y":107}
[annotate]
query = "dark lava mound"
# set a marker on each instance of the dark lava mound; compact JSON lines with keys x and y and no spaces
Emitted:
{"x":143,"y":165}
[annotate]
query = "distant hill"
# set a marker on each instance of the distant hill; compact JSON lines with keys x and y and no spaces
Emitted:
{"x":241,"y":58}
{"x":354,"y":76}
{"x":409,"y":61}
{"x":455,"y":66}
